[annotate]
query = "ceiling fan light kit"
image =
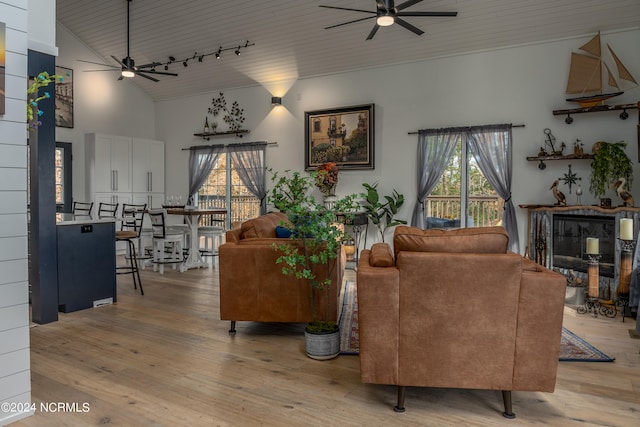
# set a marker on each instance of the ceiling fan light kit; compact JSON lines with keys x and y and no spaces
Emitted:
{"x":387,"y":14}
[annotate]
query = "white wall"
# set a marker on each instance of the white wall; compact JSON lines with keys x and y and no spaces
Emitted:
{"x":102,"y":104}
{"x":15,"y":381}
{"x":521,"y":84}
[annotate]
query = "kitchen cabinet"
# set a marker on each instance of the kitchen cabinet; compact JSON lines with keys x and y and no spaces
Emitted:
{"x":108,"y":163}
{"x":148,"y":166}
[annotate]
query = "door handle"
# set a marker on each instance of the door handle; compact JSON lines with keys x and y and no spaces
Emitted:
{"x":116,"y":189}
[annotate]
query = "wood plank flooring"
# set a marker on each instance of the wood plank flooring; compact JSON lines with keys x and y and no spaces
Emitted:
{"x":165,"y":359}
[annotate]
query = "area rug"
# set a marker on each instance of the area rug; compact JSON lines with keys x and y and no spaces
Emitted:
{"x":572,"y":347}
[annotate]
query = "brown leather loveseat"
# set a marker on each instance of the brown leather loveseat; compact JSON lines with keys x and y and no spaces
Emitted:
{"x":252,"y":286}
{"x":455,"y":309}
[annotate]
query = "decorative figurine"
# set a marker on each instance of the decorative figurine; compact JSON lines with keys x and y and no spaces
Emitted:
{"x":559,"y":195}
{"x":623,"y":193}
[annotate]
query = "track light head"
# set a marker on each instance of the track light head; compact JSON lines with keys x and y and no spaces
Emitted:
{"x":185,"y":63}
{"x":237,"y":52}
{"x":166,"y":67}
{"x":172,"y":59}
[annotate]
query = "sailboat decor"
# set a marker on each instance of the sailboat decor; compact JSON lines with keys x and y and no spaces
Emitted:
{"x":586,"y":75}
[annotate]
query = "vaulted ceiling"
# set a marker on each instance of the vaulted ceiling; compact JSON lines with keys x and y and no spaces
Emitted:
{"x":288,"y":40}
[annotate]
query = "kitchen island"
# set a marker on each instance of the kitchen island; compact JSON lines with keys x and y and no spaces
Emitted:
{"x":86,"y":261}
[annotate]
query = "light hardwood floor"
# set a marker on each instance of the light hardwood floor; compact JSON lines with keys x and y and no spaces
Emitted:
{"x":165,"y":359}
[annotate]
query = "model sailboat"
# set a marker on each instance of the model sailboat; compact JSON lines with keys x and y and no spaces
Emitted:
{"x":586,"y":75}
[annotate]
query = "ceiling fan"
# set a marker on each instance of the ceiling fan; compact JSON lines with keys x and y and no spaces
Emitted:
{"x":387,"y":13}
{"x":128,"y":67}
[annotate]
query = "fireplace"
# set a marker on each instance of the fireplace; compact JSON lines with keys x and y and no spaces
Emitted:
{"x":569,"y":241}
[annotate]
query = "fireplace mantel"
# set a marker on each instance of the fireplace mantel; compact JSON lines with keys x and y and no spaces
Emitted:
{"x":596,"y":209}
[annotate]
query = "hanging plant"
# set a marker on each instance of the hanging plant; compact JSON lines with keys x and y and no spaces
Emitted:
{"x":610,"y":162}
{"x":33,"y":112}
{"x":234,"y":117}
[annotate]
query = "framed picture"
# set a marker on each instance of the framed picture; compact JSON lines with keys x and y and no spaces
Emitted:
{"x":64,"y":98}
{"x":343,"y":136}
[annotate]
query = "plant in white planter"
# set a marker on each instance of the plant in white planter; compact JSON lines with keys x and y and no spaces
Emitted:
{"x":314,"y":226}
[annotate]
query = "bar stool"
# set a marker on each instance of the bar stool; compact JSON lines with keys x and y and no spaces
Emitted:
{"x":82,"y":208}
{"x":164,"y":236}
{"x":213,"y":236}
{"x":107,"y":210}
{"x":132,"y":219}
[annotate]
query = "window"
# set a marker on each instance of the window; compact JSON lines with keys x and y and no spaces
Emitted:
{"x":63,"y":177}
{"x":223,"y":188}
{"x":463,"y":197}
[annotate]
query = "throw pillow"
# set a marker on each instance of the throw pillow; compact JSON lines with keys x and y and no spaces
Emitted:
{"x":283,"y":232}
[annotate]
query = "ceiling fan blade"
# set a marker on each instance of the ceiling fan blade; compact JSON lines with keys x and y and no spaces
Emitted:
{"x":110,"y":69}
{"x":346,"y":8}
{"x":407,"y":4}
{"x":350,"y":22}
{"x":96,"y":63}
{"x":164,"y":73}
{"x":427,"y":14}
{"x":408,"y":26}
{"x":373,"y":32}
{"x":138,"y":73}
{"x":150,"y":65}
{"x":121,"y":77}
{"x":118,"y":61}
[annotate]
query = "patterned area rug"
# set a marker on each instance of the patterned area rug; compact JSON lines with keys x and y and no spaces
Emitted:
{"x":572,"y":347}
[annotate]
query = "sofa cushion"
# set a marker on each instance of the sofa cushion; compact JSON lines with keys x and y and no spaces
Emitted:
{"x":462,"y":240}
{"x":263,"y":226}
{"x":380,"y":255}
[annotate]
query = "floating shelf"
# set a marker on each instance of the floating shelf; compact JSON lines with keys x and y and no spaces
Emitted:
{"x":542,"y":159}
{"x":208,"y":135}
{"x":623,"y":116}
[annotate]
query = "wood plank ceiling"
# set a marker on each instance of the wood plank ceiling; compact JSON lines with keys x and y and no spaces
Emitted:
{"x":291,"y":42}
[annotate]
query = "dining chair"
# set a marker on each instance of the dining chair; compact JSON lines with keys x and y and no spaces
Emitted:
{"x":130,"y":228}
{"x":165,"y":238}
{"x":82,"y":208}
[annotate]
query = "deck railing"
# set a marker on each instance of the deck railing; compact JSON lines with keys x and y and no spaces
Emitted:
{"x":483,"y":211}
{"x":243,"y":207}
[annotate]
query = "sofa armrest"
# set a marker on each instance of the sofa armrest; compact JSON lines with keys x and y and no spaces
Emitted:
{"x":378,"y":321}
{"x":540,"y":312}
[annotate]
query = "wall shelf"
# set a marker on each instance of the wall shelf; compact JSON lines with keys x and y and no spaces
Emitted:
{"x":543,"y":159}
{"x":623,"y":116}
{"x":207,"y":135}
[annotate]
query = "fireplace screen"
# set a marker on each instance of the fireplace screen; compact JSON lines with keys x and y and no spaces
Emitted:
{"x":569,"y":242}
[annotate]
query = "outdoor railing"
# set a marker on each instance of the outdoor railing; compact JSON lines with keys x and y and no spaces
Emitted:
{"x":243,"y":207}
{"x":483,"y":211}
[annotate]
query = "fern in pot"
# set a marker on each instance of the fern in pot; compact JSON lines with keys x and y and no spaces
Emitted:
{"x":311,"y":252}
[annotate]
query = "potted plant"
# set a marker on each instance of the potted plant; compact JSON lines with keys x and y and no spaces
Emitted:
{"x":319,"y":240}
{"x":610,"y":162}
{"x":379,"y":213}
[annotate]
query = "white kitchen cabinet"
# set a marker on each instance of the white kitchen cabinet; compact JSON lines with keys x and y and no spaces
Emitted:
{"x":148,"y":166}
{"x":108,"y":163}
{"x":122,"y":169}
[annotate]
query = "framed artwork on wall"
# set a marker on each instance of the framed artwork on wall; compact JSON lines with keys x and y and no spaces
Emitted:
{"x":344,"y":136}
{"x":64,"y":98}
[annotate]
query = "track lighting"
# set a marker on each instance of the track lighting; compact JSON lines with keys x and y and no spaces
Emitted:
{"x":218,"y":53}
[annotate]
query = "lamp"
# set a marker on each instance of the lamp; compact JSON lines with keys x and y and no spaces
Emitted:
{"x":276,"y":100}
{"x":127,"y":73}
{"x":385,"y":20}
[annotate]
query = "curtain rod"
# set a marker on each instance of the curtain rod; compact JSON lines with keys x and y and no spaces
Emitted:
{"x":462,"y":127}
{"x":239,"y":144}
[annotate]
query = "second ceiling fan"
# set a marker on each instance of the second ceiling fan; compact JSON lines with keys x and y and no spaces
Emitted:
{"x":128,"y":67}
{"x":387,"y":13}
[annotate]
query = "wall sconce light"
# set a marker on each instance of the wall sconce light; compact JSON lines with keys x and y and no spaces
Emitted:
{"x":276,"y":100}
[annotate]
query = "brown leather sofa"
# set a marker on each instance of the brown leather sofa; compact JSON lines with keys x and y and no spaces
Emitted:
{"x":252,"y":286}
{"x":455,"y":309}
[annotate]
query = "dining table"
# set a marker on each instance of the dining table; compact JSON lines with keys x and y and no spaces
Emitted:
{"x":192,"y":218}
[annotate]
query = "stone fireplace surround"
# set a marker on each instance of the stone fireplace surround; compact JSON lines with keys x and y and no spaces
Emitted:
{"x":540,"y":235}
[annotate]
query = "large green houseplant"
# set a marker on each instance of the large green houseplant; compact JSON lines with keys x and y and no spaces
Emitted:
{"x":610,"y":162}
{"x":382,"y":210}
{"x":320,"y":238}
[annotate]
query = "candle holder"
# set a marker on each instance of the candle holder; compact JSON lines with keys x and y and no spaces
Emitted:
{"x":592,"y":303}
{"x":626,"y":267}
